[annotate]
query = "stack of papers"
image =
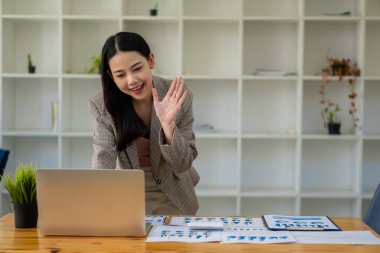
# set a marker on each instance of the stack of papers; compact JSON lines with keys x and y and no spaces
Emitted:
{"x":251,"y":230}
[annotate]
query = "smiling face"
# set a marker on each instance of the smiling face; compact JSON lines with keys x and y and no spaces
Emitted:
{"x":132,"y":74}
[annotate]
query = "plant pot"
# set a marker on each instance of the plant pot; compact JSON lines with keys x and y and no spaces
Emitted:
{"x":25,"y":215}
{"x":334,"y":128}
{"x":32,"y":69}
{"x":153,"y":12}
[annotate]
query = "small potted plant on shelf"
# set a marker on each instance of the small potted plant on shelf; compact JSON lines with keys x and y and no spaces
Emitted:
{"x":95,"y":65}
{"x":331,"y":110}
{"x":22,"y":190}
{"x":31,"y":67}
{"x":331,"y":117}
{"x":154,"y":10}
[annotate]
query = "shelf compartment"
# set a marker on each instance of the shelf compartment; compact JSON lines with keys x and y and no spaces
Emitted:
{"x":212,"y":101}
{"x":77,"y":54}
{"x":216,"y":192}
{"x":75,"y":113}
{"x":41,"y":37}
{"x":371,"y":124}
{"x":217,"y":206}
{"x":328,"y":165}
{"x":373,"y":8}
{"x":329,"y":207}
{"x":27,"y":7}
{"x":269,"y":107}
{"x":217,"y":162}
{"x":260,"y":172}
{"x":163,"y":38}
{"x":207,"y":45}
{"x":212,"y":8}
{"x":322,"y":38}
{"x":323,"y":7}
{"x":77,"y":152}
{"x":27,"y":104}
{"x":270,"y":8}
{"x":91,"y":7}
{"x":264,"y":38}
{"x":260,"y":206}
{"x":372,"y":54}
{"x":370,"y":166}
{"x":166,"y":8}
{"x":43,"y":152}
{"x":336,"y":91}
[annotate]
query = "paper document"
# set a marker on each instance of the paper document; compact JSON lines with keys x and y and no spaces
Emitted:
{"x":182,"y":234}
{"x":257,"y":237}
{"x":228,"y":221}
{"x":288,"y":222}
{"x":336,"y":237}
{"x":156,"y":219}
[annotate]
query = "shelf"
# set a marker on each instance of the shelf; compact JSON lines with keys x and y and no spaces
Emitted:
{"x":373,"y":9}
{"x":216,"y":161}
{"x":166,"y":8}
{"x":212,"y":8}
{"x":372,"y":54}
{"x":322,"y":7}
{"x":209,"y":77}
{"x":77,"y":152}
{"x":213,"y":100}
{"x":81,"y":76}
{"x":279,"y":78}
{"x":371,"y":124}
{"x":27,"y":75}
{"x":371,"y":137}
{"x":331,"y":78}
{"x":24,"y":8}
{"x":29,"y":133}
{"x":328,"y":207}
{"x":77,"y":134}
{"x":328,"y":194}
{"x":252,"y":206}
{"x":89,"y":18}
{"x":272,"y":19}
{"x":333,"y":19}
{"x":370,"y":165}
{"x":269,"y":193}
{"x":343,"y":137}
{"x":261,"y":171}
{"x":30,"y":17}
{"x":216,"y":135}
{"x":207,"y":45}
{"x":110,"y":8}
{"x":270,"y":8}
{"x":217,"y":206}
{"x":261,"y":116}
{"x":367,"y":195}
{"x":269,"y":136}
{"x":151,"y":19}
{"x":215,"y":192}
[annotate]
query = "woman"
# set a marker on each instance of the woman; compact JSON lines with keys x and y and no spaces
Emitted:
{"x":145,"y":122}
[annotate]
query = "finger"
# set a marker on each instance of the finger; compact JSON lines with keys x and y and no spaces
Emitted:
{"x":155,"y":96}
{"x":179,"y":92}
{"x":176,"y":88}
{"x":172,"y":86}
{"x":182,"y":99}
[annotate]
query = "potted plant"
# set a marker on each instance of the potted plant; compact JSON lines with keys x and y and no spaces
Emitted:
{"x":31,"y":67}
{"x":331,"y":117}
{"x":154,"y":10}
{"x":95,"y":65}
{"x":331,"y":110}
{"x":22,"y":190}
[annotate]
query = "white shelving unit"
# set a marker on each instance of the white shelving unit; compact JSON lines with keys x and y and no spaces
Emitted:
{"x":269,"y":152}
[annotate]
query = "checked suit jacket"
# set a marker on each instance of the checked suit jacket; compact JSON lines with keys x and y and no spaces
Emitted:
{"x":171,"y":164}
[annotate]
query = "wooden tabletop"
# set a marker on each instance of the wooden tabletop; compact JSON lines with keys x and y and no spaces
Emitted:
{"x":16,"y":240}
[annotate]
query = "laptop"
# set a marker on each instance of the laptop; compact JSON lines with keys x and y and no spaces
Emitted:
{"x":86,"y":202}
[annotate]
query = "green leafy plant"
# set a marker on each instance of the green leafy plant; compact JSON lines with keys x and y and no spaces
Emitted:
{"x":155,"y":6}
{"x":30,"y":62}
{"x":95,"y":65}
{"x":22,"y":188}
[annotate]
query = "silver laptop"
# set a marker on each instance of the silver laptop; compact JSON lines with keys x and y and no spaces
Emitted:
{"x":86,"y":202}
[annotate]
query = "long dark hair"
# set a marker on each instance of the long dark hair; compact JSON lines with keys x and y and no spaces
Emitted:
{"x":128,"y":124}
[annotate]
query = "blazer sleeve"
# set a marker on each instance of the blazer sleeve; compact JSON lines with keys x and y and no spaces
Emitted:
{"x":181,"y":153}
{"x":105,"y":155}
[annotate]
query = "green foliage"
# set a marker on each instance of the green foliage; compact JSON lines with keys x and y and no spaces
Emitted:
{"x":95,"y":65}
{"x":155,"y":6}
{"x":30,"y":62}
{"x":22,"y":188}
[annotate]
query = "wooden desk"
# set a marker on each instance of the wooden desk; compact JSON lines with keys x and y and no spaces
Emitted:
{"x":12,"y":239}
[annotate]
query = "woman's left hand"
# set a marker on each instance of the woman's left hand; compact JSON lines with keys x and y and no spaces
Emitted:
{"x":167,"y":109}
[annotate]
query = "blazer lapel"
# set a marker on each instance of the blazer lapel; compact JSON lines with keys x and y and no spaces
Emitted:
{"x":132,"y":155}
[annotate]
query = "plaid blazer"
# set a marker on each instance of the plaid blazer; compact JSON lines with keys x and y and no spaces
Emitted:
{"x":171,"y":164}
